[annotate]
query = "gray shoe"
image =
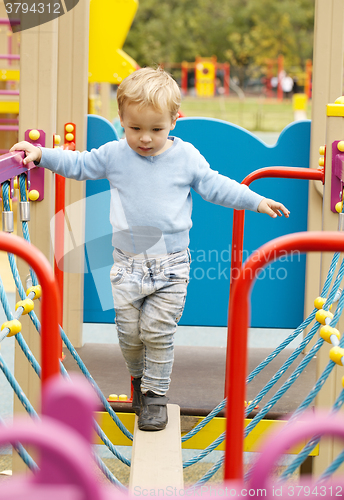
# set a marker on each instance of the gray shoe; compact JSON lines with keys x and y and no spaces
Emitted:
{"x":137,"y":395}
{"x":153,"y":415}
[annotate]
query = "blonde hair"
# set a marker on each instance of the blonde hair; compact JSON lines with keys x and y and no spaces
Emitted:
{"x":149,"y":86}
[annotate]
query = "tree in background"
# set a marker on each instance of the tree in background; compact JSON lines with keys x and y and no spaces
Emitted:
{"x":243,"y":32}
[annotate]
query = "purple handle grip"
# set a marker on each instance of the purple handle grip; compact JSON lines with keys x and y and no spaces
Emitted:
{"x":63,"y":448}
{"x":311,"y":425}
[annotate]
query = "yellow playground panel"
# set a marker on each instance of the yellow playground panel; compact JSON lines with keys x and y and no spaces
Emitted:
{"x":110,"y":21}
{"x":205,"y":74}
{"x":202,"y":439}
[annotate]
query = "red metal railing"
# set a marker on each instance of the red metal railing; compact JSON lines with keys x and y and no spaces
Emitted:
{"x":50,"y":336}
{"x":60,"y":205}
{"x":239,"y":215}
{"x":239,"y":319}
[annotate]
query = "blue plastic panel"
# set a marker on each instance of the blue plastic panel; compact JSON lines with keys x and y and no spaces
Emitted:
{"x":233,"y":152}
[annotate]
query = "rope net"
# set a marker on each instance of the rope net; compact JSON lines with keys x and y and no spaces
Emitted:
{"x":320,"y":318}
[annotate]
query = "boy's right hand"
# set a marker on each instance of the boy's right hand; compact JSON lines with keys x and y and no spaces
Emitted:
{"x":32,"y":153}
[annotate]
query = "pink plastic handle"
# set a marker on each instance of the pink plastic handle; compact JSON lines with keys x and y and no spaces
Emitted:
{"x":63,"y":448}
{"x":311,"y":425}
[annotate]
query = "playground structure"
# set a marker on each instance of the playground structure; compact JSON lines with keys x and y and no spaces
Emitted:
{"x":108,"y":63}
{"x":205,"y":74}
{"x":275,"y":74}
{"x":9,"y":76}
{"x":42,"y":115}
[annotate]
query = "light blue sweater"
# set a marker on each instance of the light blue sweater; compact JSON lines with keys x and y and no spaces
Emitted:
{"x":150,"y":196}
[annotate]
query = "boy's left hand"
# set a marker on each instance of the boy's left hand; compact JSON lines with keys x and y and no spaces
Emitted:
{"x":272,"y":208}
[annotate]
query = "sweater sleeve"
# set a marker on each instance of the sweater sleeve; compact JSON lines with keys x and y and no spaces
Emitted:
{"x":75,"y":165}
{"x":222,"y":190}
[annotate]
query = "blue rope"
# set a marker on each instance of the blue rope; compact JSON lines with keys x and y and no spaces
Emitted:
{"x":310,"y":397}
{"x":279,"y":373}
{"x":28,"y":353}
{"x":300,"y":328}
{"x":63,"y":335}
{"x":89,"y":377}
{"x":19,"y":338}
{"x":25,"y":227}
{"x":17,"y":389}
{"x":320,"y":382}
{"x":29,"y":462}
{"x":309,"y":447}
{"x":290,"y":360}
{"x":208,"y":475}
{"x":205,"y":421}
{"x":108,"y":474}
{"x":99,"y":430}
{"x":205,"y":452}
{"x":333,"y":467}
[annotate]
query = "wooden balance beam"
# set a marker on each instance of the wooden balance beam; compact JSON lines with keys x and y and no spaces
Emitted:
{"x":156,"y":458}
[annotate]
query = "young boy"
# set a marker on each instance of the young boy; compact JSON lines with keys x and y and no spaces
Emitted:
{"x":151,"y":175}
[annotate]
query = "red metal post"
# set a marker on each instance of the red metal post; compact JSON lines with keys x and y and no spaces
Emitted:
{"x":60,"y":183}
{"x":239,"y":215}
{"x":239,"y":218}
{"x":50,"y":335}
{"x":226,"y":77}
{"x":236,"y":364}
{"x":184,"y":78}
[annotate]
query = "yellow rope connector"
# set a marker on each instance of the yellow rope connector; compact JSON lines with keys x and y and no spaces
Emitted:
{"x":37,"y":290}
{"x":14,"y":327}
{"x":343,"y":381}
{"x":319,"y":302}
{"x":326,"y":331}
{"x":321,"y":315}
{"x":26,"y":304}
{"x":336,"y":354}
{"x":339,"y":207}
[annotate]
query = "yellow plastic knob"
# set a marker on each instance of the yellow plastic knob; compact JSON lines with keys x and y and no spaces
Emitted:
{"x":57,"y":140}
{"x":322,"y":150}
{"x":69,"y":127}
{"x":339,"y":100}
{"x":122,"y":397}
{"x":26,"y":304}
{"x":340,"y":146}
{"x":339,"y":207}
{"x":14,"y":327}
{"x":336,"y":354}
{"x":33,"y":195}
{"x":34,"y":135}
{"x":37,"y":289}
{"x":321,"y":315}
{"x":319,"y":303}
{"x":326,"y":331}
{"x":69,"y":137}
{"x":112,"y":397}
{"x":321,"y":161}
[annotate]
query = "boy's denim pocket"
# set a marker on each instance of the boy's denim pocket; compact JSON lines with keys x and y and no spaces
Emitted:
{"x":117,"y":274}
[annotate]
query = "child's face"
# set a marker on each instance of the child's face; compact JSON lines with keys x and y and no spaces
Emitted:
{"x":147,"y":129}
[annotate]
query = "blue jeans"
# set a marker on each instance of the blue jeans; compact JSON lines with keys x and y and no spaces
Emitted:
{"x":149,"y":296}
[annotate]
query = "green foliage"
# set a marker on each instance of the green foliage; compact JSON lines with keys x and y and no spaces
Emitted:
{"x":242,"y":32}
